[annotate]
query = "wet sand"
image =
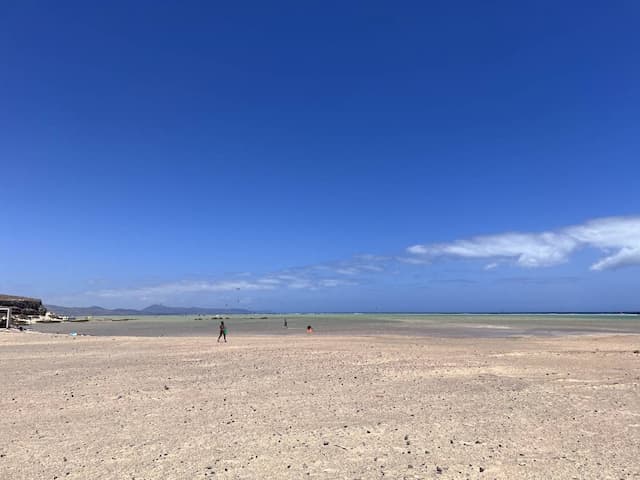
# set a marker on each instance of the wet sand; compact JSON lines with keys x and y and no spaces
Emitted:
{"x":458,"y":326}
{"x":319,"y":406}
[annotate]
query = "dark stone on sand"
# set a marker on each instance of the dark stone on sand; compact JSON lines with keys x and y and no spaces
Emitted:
{"x":481,"y":469}
{"x":325,"y":443}
{"x":438,"y":470}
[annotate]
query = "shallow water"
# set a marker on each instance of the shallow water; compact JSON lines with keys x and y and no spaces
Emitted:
{"x":439,"y":325}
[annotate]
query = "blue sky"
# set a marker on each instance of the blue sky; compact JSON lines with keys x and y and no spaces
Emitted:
{"x":322,"y":156}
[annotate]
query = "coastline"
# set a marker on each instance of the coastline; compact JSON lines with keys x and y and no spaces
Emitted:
{"x":411,"y":325}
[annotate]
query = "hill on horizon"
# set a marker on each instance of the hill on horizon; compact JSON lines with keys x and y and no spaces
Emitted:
{"x":155,"y":309}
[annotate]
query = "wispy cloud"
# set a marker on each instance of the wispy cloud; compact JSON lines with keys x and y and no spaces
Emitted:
{"x":617,"y":237}
{"x":538,"y":280}
{"x":173,"y":288}
{"x":358,"y":265}
{"x":312,"y":277}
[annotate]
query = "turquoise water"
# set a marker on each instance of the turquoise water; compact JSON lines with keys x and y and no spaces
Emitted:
{"x":450,"y":325}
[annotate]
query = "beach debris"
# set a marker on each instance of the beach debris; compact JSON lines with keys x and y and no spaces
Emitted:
{"x":325,"y":443}
{"x":636,"y":351}
{"x":481,"y":469}
{"x":438,"y":470}
{"x":73,"y":334}
{"x":166,"y":388}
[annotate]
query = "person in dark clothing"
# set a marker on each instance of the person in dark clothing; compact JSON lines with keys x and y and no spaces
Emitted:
{"x":223,"y":332}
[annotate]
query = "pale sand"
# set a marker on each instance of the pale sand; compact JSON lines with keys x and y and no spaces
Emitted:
{"x":319,"y":407}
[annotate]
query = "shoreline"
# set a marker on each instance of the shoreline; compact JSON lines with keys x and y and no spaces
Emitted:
{"x":471,"y":326}
{"x":324,"y":335}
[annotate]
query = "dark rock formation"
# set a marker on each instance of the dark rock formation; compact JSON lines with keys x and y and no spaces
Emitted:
{"x":23,"y":306}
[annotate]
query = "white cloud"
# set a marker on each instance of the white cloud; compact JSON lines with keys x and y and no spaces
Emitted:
{"x":347,"y":271}
{"x":625,"y":257}
{"x":335,"y":282}
{"x":416,"y":260}
{"x":617,"y":237}
{"x":529,"y":250}
{"x":160,"y":292}
{"x":357,"y":265}
{"x":173,"y":288}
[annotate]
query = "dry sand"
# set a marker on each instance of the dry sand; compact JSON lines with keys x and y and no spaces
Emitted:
{"x":319,"y":407}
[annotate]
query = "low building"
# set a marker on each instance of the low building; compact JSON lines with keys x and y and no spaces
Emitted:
{"x":23,"y":306}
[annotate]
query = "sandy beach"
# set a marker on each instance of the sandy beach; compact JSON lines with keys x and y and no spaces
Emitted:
{"x":319,"y":407}
{"x":349,"y":325}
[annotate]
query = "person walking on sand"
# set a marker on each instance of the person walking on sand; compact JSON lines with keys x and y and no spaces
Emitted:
{"x":223,"y":332}
{"x":286,"y":325}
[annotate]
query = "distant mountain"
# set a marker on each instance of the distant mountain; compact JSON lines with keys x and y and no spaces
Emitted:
{"x":150,"y":310}
{"x":93,"y":310}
